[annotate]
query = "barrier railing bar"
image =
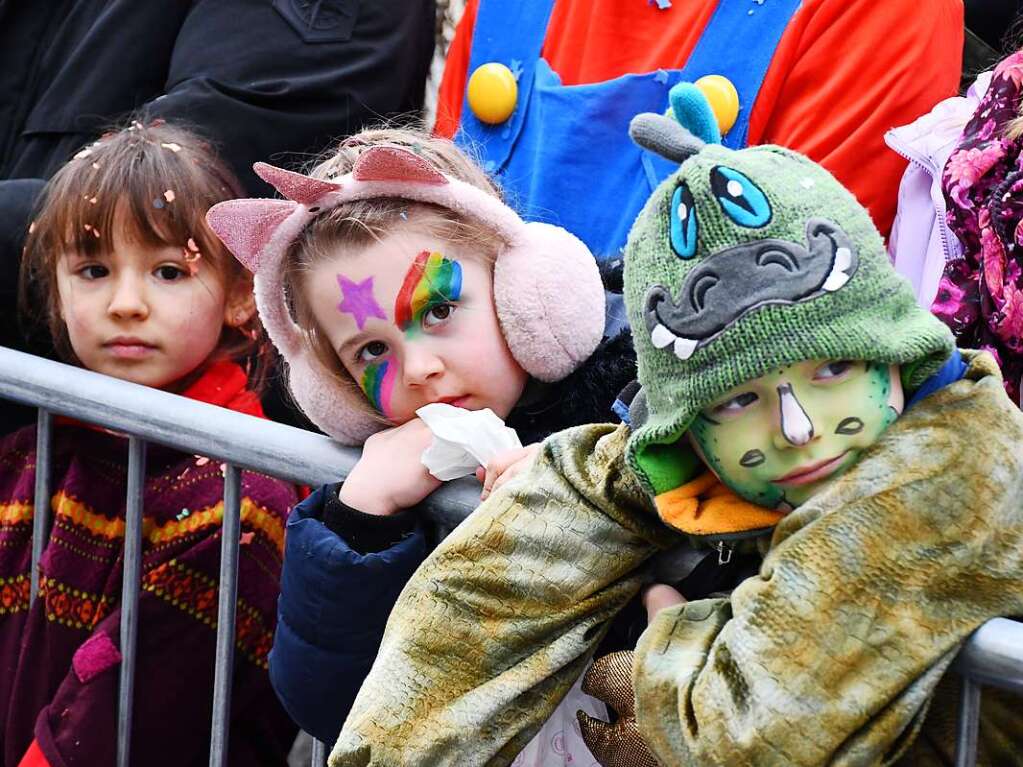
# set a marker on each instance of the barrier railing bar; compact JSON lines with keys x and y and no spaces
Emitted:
{"x":968,"y":724}
{"x":130,"y":587}
{"x":319,"y":753}
{"x":41,"y":513}
{"x":992,"y":656}
{"x":196,"y":427}
{"x":229,"y":543}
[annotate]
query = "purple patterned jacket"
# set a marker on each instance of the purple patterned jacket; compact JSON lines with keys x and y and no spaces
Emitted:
{"x":980,"y":295}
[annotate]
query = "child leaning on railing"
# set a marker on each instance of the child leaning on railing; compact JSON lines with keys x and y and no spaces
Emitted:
{"x":123,"y":271}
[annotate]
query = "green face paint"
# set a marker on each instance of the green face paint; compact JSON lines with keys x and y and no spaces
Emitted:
{"x":779,"y":439}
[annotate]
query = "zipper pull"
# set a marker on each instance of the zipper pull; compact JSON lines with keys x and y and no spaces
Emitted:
{"x":724,"y":553}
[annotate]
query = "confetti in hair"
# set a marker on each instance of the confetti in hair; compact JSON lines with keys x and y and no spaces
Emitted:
{"x":169,"y":195}
{"x":431,"y":280}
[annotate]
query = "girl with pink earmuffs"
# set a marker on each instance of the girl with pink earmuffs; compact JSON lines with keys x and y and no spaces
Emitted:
{"x":390,"y":278}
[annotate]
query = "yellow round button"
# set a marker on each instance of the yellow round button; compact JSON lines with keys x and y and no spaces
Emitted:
{"x":723,"y":98}
{"x":493,"y":93}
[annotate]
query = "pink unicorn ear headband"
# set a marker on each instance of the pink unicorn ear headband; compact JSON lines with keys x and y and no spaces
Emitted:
{"x":547,"y":289}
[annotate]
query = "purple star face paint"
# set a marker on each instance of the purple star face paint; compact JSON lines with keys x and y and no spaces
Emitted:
{"x":378,"y":384}
{"x":357,"y":299}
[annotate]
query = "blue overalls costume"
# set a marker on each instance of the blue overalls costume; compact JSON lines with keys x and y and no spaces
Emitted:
{"x":564,"y":156}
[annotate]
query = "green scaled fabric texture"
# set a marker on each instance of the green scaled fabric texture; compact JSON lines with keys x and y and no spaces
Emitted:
{"x":745,"y":261}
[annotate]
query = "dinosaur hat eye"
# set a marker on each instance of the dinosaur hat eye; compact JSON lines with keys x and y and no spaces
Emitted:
{"x":683,"y":222}
{"x":740,"y":199}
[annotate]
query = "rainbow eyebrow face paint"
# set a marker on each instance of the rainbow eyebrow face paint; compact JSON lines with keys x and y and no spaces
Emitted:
{"x":378,"y":384}
{"x":431,"y":280}
{"x":357,"y":300}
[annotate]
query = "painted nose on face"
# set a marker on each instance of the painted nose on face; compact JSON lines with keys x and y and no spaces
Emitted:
{"x":420,"y":365}
{"x":128,"y":301}
{"x":795,"y":427}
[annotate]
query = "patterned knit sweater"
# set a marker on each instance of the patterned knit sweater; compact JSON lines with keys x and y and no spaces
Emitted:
{"x":59,"y":660}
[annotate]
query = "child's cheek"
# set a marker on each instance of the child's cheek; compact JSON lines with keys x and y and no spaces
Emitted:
{"x":378,"y":380}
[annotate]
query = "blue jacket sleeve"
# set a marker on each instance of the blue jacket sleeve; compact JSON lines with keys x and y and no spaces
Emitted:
{"x":331,"y":614}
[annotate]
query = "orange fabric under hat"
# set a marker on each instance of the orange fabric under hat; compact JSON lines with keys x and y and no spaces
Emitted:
{"x":705,"y":506}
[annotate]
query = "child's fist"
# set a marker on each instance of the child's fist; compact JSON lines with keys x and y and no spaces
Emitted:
{"x":657,"y":597}
{"x":504,"y":466}
{"x":390,"y":475}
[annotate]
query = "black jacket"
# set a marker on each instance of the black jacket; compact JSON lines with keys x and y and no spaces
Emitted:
{"x":264,"y":79}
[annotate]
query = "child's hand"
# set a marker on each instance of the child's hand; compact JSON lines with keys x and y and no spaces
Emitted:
{"x":658,"y":597}
{"x":390,"y":475}
{"x":504,"y":466}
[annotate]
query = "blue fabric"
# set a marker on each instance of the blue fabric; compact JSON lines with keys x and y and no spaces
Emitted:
{"x":331,"y":614}
{"x":565,"y":157}
{"x":953,"y":370}
{"x":694,"y":112}
{"x":739,"y":42}
{"x":544,"y":155}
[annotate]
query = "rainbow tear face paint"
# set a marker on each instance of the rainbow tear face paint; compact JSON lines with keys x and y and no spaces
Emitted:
{"x":378,"y":384}
{"x":357,"y":300}
{"x":430,"y":280}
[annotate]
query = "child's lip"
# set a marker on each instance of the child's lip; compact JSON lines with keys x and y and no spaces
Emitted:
{"x":811,"y":472}
{"x":129,"y":347}
{"x":455,"y":401}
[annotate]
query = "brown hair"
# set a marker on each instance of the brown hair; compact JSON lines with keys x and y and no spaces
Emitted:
{"x":154,"y":181}
{"x":361,"y":222}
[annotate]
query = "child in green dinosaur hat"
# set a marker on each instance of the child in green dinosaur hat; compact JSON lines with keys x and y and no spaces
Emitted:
{"x":773,"y":336}
{"x":792,"y":395}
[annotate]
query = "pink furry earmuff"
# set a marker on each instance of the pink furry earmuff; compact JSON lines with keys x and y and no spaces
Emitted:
{"x":547,"y":289}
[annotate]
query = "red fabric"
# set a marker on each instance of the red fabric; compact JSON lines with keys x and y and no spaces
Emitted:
{"x":844,"y":73}
{"x":225,"y":384}
{"x":33,"y":757}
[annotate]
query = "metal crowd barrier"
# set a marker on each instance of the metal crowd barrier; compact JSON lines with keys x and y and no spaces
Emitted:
{"x":992,"y":656}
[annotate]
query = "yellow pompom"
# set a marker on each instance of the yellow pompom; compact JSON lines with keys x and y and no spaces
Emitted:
{"x":493,"y":93}
{"x":723,"y":99}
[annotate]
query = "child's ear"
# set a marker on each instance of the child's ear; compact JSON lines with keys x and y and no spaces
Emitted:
{"x":240,"y":304}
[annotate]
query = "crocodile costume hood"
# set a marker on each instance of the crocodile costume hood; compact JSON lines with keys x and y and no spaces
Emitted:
{"x":740,"y":263}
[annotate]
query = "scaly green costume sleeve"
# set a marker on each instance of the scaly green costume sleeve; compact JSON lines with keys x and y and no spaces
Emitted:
{"x":829,"y":657}
{"x":501,"y":619}
{"x":832,"y":654}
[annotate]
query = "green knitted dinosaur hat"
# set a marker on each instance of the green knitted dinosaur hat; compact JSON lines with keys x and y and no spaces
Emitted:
{"x":743,"y":262}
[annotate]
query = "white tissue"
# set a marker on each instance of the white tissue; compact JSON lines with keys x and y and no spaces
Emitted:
{"x":463,"y":439}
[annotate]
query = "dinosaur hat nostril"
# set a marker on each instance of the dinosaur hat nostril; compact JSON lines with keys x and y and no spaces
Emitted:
{"x":698,"y":291}
{"x":773,"y":257}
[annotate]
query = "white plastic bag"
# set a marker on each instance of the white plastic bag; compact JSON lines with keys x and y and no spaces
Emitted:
{"x":560,"y":742}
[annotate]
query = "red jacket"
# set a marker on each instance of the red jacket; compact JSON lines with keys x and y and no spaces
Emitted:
{"x":844,"y":73}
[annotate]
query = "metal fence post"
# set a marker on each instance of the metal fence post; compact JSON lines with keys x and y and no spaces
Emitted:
{"x":41,"y":513}
{"x":319,"y":753}
{"x":230,"y":534}
{"x":130,"y":594}
{"x":968,"y":724}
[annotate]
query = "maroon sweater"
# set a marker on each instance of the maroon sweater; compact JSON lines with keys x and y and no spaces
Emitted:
{"x":60,"y":662}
